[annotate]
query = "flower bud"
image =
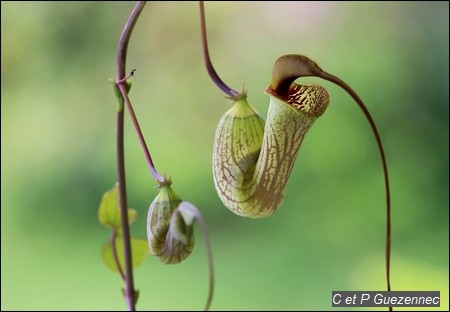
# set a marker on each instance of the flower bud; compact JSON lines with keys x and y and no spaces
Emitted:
{"x":169,"y":231}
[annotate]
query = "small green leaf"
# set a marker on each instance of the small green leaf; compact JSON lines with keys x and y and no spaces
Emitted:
{"x":139,"y":251}
{"x":136,"y":295}
{"x":109,"y":213}
{"x":132,"y":215}
{"x":119,"y":94}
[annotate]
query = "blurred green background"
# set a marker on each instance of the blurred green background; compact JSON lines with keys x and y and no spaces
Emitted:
{"x":58,"y":151}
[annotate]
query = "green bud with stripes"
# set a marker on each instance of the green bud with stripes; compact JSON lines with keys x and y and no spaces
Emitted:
{"x":169,"y":231}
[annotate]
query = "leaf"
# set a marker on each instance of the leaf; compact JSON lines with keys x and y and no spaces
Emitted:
{"x":136,"y":295}
{"x":118,"y":94}
{"x":109,"y":213}
{"x":139,"y":251}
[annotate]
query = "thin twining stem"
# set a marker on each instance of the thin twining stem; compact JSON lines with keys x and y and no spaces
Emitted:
{"x":290,"y":67}
{"x":148,"y":157}
{"x":369,"y":118}
{"x":187,"y":207}
{"x":112,"y":241}
{"x":209,"y":67}
{"x":130,"y":294}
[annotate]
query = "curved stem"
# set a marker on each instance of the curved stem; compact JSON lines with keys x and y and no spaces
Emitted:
{"x":209,"y":67}
{"x":290,"y":67}
{"x":148,"y":157}
{"x":112,"y":241}
{"x":121,"y":61}
{"x":210,"y":261}
{"x":189,"y":208}
{"x":369,"y":118}
{"x":122,"y":49}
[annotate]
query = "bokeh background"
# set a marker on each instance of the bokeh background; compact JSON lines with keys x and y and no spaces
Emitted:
{"x":58,"y":151}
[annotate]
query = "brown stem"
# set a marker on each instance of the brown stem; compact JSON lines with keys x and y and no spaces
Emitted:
{"x":189,"y":208}
{"x":112,"y":241}
{"x":366,"y":112}
{"x":148,"y":157}
{"x":121,"y":61}
{"x":209,"y":67}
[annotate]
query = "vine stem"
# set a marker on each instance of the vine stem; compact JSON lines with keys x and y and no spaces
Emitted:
{"x":112,"y":241}
{"x":121,"y":61}
{"x":369,"y":118}
{"x":209,"y":67}
{"x":189,"y":208}
{"x":148,"y":157}
{"x":290,"y":67}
